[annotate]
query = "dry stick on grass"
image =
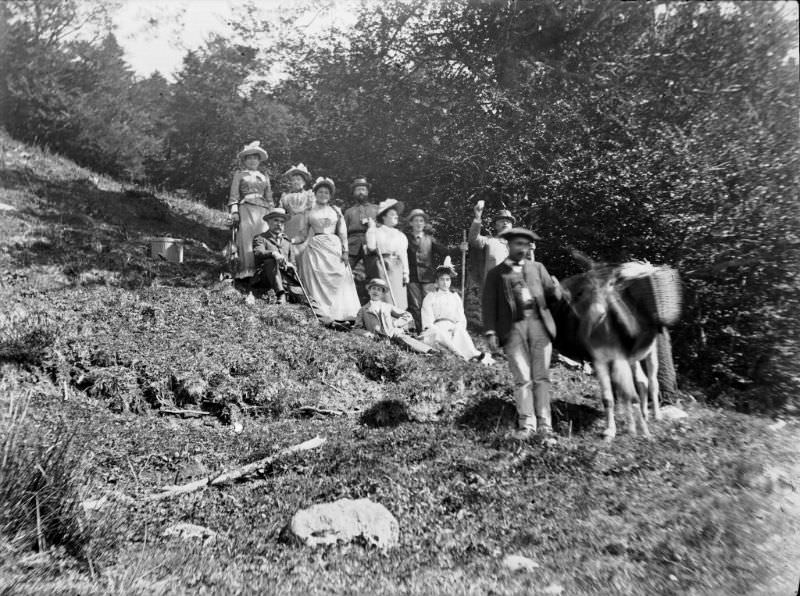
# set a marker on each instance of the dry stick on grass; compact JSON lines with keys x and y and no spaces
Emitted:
{"x":235,"y":474}
{"x":183,"y":413}
{"x":314,"y":410}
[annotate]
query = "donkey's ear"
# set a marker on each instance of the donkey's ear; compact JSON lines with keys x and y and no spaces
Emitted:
{"x":582,"y":258}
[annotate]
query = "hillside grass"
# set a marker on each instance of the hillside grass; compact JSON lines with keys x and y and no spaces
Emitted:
{"x":98,"y":339}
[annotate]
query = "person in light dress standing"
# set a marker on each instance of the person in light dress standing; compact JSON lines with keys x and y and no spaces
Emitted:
{"x":323,"y":262}
{"x":297,"y":201}
{"x":249,"y":201}
{"x":388,"y":248}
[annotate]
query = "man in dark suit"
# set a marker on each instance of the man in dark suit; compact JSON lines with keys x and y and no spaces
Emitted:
{"x":274,"y":257}
{"x":424,"y":254}
{"x":517,"y":295}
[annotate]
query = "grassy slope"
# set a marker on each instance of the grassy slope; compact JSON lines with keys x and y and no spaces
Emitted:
{"x":702,"y":509}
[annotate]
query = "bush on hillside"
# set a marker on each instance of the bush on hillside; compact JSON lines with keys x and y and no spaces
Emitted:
{"x":40,"y":476}
{"x":24,"y":340}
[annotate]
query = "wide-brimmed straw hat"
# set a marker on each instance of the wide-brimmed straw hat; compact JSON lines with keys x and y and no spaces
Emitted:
{"x":361,"y":181}
{"x":387,"y":204}
{"x":505,"y":214}
{"x":377,"y":283}
{"x":300,"y":170}
{"x":276,"y":213}
{"x":415,"y":212}
{"x":519,"y":233}
{"x":325,"y":182}
{"x":253,"y":148}
{"x":446,"y":267}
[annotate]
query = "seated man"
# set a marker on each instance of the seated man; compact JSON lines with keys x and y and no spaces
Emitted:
{"x":443,"y":322}
{"x":274,"y":258}
{"x":379,"y":318}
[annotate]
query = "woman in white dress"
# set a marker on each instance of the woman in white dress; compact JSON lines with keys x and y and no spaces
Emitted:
{"x":323,"y":263}
{"x":297,"y":201}
{"x":391,"y":244}
{"x":443,"y":322}
{"x":249,"y":201}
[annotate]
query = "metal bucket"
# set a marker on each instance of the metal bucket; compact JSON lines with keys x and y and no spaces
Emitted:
{"x":169,"y":249}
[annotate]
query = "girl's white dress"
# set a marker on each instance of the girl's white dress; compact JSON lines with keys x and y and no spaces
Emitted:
{"x":444,"y":324}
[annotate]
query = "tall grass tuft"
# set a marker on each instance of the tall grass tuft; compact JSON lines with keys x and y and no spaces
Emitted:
{"x":25,"y":340}
{"x":39,"y":478}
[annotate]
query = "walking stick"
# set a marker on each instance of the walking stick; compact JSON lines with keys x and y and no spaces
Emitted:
{"x":386,"y":275}
{"x":463,"y":269}
{"x":308,"y":299}
{"x":233,"y":254}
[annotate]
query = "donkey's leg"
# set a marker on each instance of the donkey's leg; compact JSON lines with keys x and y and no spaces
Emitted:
{"x":603,"y":376}
{"x":653,"y":388}
{"x":622,"y":377}
{"x":641,"y":383}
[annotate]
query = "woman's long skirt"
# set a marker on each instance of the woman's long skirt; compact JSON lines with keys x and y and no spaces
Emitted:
{"x":394,"y":277}
{"x":327,"y":280}
{"x":250,"y":225}
{"x":448,"y":335}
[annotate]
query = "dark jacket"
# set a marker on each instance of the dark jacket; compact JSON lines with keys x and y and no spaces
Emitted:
{"x":266,"y":243}
{"x":499,"y":306}
{"x":420,"y":271}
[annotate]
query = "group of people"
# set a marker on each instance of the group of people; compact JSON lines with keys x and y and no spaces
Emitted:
{"x":307,"y":249}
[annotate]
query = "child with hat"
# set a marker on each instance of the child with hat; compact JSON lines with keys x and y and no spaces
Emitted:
{"x":379,"y":318}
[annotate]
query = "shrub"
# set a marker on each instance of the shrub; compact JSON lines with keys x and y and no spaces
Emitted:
{"x":24,"y":340}
{"x":381,"y":365}
{"x":39,"y":479}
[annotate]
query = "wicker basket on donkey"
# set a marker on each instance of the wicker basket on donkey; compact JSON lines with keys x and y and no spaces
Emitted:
{"x":658,"y":294}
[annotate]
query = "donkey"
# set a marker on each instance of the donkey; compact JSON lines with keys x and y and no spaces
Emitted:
{"x":599,"y":321}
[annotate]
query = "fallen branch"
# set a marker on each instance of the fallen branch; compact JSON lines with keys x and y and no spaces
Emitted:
{"x":235,"y":474}
{"x":183,"y":413}
{"x":313,"y":410}
{"x":334,"y":387}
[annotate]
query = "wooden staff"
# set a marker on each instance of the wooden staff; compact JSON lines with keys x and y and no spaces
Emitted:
{"x":386,"y":275}
{"x":463,"y":269}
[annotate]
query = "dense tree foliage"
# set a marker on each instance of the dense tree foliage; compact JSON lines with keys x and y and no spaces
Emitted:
{"x":667,"y":133}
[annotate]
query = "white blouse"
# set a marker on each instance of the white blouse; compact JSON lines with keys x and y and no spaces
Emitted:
{"x":297,"y":202}
{"x":386,"y":240}
{"x":442,"y":305}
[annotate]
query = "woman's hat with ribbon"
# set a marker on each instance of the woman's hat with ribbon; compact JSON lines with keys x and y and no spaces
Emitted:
{"x":387,"y":204}
{"x":253,"y":148}
{"x":321,"y":181}
{"x":446,"y":267}
{"x":300,"y":170}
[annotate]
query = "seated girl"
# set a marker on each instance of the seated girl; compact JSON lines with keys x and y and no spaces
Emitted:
{"x":443,"y":322}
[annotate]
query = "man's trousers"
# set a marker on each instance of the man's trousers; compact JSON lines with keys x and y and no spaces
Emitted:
{"x":528,"y":350}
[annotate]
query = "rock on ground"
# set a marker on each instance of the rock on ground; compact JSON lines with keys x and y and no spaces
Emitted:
{"x":344,"y":521}
{"x":519,"y":563}
{"x":673,"y":413}
{"x":188,"y":531}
